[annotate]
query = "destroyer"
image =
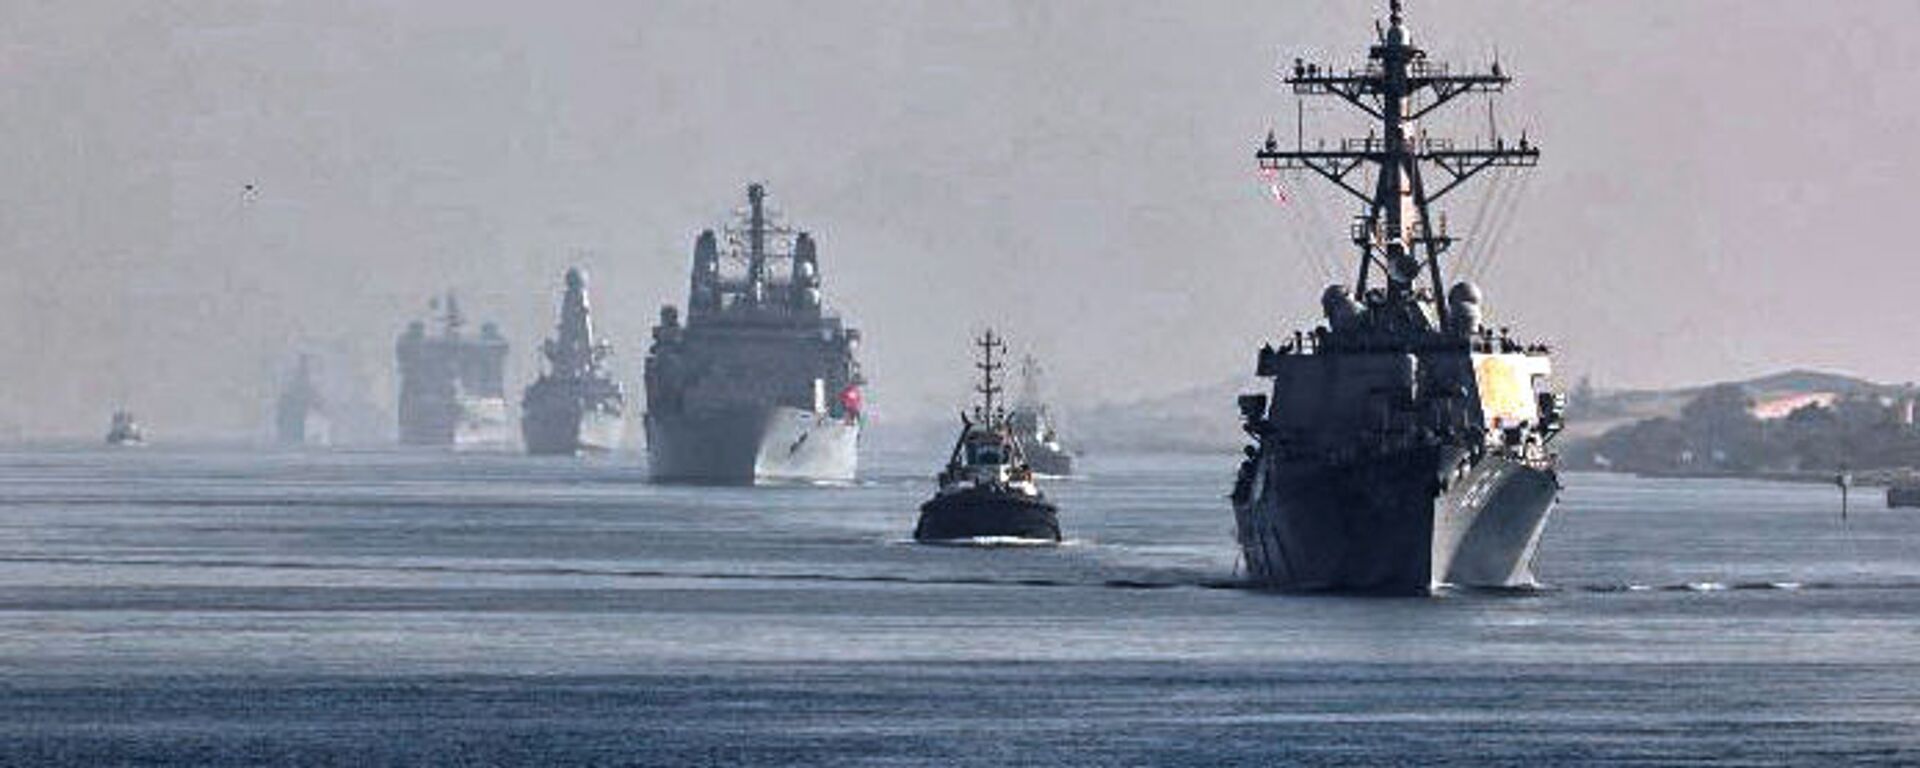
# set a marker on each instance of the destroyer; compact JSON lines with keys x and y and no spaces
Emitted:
{"x":760,"y":383}
{"x":298,"y":415}
{"x":1032,"y":424}
{"x":987,"y":489}
{"x":450,"y":384}
{"x":574,"y":407}
{"x":1405,"y":445}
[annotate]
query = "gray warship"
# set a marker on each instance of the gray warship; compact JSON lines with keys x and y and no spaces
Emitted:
{"x":760,"y":383}
{"x":125,"y":430}
{"x":987,"y":489}
{"x":299,"y":418}
{"x":451,"y":390}
{"x":1404,"y":445}
{"x":575,"y":406}
{"x":1031,"y":422}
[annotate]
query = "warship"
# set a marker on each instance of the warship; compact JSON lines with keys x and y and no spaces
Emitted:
{"x":1404,"y":445}
{"x":987,"y":489}
{"x":451,"y":391}
{"x":760,"y":383}
{"x":125,"y":430}
{"x":575,"y":406}
{"x":298,"y":419}
{"x":1032,"y":424}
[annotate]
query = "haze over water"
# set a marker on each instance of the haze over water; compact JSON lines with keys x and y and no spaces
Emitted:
{"x":354,"y":608}
{"x":1718,"y":196}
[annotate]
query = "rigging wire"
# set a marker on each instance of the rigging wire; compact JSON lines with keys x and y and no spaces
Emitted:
{"x":1503,"y":231}
{"x":1314,"y":229}
{"x":1497,"y":214}
{"x":1470,"y":259}
{"x":1299,"y":210}
{"x":1498,"y":189}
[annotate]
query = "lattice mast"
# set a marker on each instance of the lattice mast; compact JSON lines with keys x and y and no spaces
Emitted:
{"x":1399,"y":85}
{"x":992,"y":348}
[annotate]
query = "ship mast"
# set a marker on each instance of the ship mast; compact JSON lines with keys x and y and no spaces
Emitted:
{"x":756,"y":239}
{"x":989,"y":344}
{"x":1395,"y":234}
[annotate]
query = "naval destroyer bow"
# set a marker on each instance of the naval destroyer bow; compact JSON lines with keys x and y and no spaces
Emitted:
{"x":760,"y":382}
{"x":575,"y":406}
{"x":1404,"y":444}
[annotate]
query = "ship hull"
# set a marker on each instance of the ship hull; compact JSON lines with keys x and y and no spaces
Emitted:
{"x":984,"y":513}
{"x":1401,"y":524}
{"x":753,"y":445}
{"x":303,"y":430}
{"x":462,"y":423}
{"x":567,"y":432}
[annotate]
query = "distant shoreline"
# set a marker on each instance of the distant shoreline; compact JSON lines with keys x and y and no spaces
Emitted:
{"x":1872,"y":478}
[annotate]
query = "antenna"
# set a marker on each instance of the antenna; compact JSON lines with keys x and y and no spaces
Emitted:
{"x":1396,"y":234}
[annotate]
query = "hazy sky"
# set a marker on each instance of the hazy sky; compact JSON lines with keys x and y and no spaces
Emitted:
{"x":1726,"y":188}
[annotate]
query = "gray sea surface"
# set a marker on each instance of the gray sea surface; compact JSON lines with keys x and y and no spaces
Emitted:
{"x":166,"y":607}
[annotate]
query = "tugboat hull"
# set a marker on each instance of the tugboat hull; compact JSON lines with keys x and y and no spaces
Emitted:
{"x":752,"y":445}
{"x":979,"y":512}
{"x":1403,"y":524}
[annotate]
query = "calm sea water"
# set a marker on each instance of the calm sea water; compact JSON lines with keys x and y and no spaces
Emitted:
{"x":378,"y":608}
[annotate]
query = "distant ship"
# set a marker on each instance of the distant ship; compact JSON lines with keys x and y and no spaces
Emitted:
{"x":1032,"y":424}
{"x":987,"y":489}
{"x":299,"y":418}
{"x":1404,"y":445}
{"x":125,"y":430}
{"x":575,"y":406}
{"x":1903,"y":495}
{"x":451,"y":391}
{"x":760,"y":383}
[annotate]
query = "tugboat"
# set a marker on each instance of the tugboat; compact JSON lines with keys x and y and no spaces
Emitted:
{"x":1032,"y":425}
{"x":574,"y":407}
{"x":1404,"y":444}
{"x":987,"y":489}
{"x":125,"y":430}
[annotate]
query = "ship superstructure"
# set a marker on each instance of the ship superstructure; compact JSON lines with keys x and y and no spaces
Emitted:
{"x":575,"y":406}
{"x":1404,"y":444}
{"x":451,"y":383}
{"x":760,"y":382}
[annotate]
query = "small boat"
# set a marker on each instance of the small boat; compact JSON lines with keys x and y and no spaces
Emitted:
{"x":125,"y":430}
{"x":1903,"y":495}
{"x":987,"y":490}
